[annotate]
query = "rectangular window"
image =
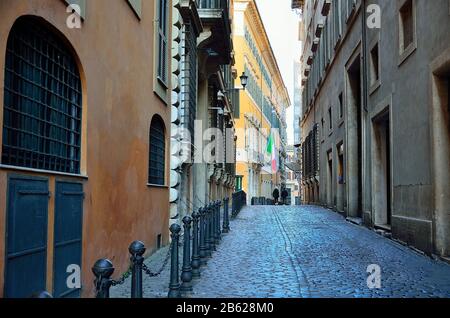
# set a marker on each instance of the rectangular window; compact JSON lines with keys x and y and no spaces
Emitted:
{"x":407,"y":29}
{"x":374,"y":65}
{"x":341,"y":106}
{"x":323,"y":128}
{"x":162,"y":41}
{"x":407,"y":24}
{"x":330,"y":118}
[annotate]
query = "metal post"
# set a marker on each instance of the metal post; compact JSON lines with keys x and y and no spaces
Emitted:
{"x":186,"y":272}
{"x":212,"y":235}
{"x":41,"y":294}
{"x":102,"y":269}
{"x":174,"y":286}
{"x":217,"y":224}
{"x":195,"y":263}
{"x":233,"y":204}
{"x":226,"y":221}
{"x":208,"y":243}
{"x":202,"y":230}
{"x":136,"y":249}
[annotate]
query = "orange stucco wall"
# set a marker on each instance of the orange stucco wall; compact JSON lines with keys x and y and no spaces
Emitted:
{"x":115,"y":52}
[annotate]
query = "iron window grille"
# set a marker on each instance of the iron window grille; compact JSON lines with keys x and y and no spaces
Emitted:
{"x":157,"y":152}
{"x":42,"y":101}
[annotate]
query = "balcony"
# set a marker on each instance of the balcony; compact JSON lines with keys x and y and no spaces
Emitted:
{"x":297,"y":4}
{"x":326,"y":7}
{"x":215,"y":18}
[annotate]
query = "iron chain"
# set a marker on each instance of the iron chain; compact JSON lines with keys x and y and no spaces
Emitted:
{"x":157,"y":273}
{"x":122,"y":279}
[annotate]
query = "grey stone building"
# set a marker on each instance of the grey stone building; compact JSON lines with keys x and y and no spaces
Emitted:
{"x":375,"y":123}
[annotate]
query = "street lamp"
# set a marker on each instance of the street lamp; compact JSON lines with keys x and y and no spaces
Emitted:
{"x":244,"y":80}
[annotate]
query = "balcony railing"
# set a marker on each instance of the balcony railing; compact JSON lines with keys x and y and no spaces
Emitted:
{"x":213,"y":4}
{"x":215,"y":14}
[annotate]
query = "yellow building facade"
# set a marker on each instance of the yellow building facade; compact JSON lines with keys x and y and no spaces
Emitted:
{"x":263,"y":105}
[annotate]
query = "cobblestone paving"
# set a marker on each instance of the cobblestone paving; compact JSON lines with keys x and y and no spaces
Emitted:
{"x":312,"y":252}
{"x":304,"y":251}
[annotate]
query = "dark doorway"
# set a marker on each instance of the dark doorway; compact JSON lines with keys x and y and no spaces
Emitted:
{"x":329,"y":187}
{"x":440,"y":123}
{"x":340,"y":178}
{"x":382,"y":171}
{"x":355,"y":129}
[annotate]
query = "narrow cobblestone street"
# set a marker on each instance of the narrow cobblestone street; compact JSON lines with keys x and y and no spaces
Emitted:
{"x":306,"y":252}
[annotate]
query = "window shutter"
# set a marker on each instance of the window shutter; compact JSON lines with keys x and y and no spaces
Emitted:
{"x":162,"y":40}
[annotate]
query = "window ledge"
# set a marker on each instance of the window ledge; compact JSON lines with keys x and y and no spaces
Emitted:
{"x":41,"y":171}
{"x":162,"y":83}
{"x":407,"y":53}
{"x":152,"y":185}
{"x":374,"y":87}
{"x":161,"y":90}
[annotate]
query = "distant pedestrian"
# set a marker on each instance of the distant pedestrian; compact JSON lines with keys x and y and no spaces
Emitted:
{"x":276,"y":195}
{"x":284,"y":195}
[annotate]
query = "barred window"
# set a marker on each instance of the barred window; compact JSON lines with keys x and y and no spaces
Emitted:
{"x":162,"y":40}
{"x":157,"y":155}
{"x":42,"y":101}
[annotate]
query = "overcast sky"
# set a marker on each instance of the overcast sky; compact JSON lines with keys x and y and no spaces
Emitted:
{"x":281,"y":24}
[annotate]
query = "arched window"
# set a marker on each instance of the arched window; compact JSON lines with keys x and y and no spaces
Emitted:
{"x":42,"y":101}
{"x":156,"y":171}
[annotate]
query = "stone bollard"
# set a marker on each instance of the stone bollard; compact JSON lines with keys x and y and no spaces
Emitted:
{"x":137,"y":250}
{"x":202,"y":236}
{"x":226,"y":220}
{"x":102,"y":269}
{"x":186,"y":272}
{"x":174,"y":286}
{"x":195,"y":263}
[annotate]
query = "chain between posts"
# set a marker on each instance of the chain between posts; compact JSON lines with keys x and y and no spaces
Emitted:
{"x":122,"y":279}
{"x":147,"y":270}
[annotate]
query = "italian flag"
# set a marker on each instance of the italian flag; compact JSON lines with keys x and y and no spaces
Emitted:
{"x":272,"y":152}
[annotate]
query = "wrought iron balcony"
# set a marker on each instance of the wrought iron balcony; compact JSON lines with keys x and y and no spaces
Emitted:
{"x":212,"y":4}
{"x":215,"y":15}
